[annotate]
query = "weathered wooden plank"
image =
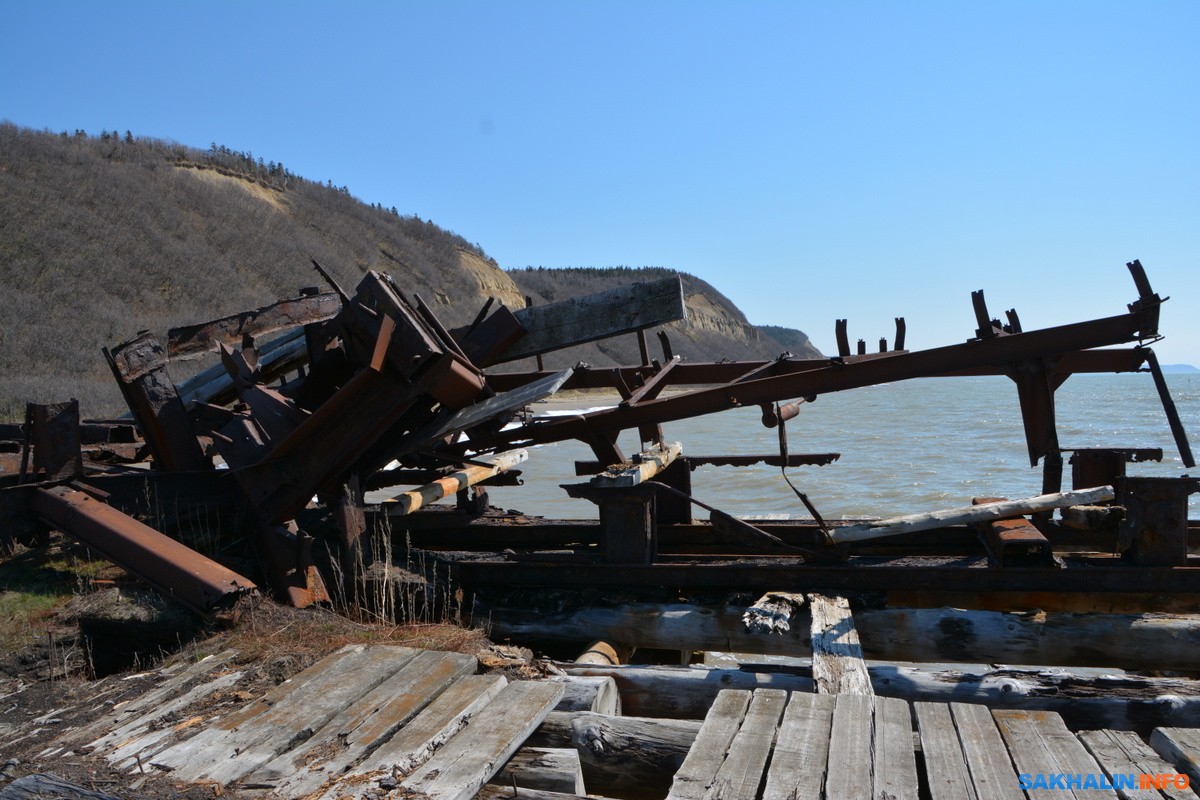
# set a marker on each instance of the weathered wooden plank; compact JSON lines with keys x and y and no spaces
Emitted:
{"x":1083,"y":697}
{"x":547,"y":769}
{"x":1124,"y":757}
{"x":991,"y":768}
{"x":797,"y":770}
{"x":850,"y":741}
{"x":498,"y":792}
{"x":837,"y":657}
{"x":579,"y":320}
{"x":946,"y":768}
{"x":170,"y":687}
{"x":742,"y":773}
{"x":967,"y":515}
{"x":895,"y":768}
{"x":369,"y":721}
{"x":40,"y":786}
{"x":414,"y":743}
{"x":410,"y":501}
{"x":645,"y":466}
{"x":1041,"y":744}
{"x":1180,"y":747}
{"x":143,"y":731}
{"x":470,"y":759}
{"x":707,"y":753}
{"x":304,"y":702}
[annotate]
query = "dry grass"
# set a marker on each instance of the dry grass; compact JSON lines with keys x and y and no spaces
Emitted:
{"x":292,"y":639}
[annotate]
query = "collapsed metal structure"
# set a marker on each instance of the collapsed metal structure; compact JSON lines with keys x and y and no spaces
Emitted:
{"x":370,"y":390}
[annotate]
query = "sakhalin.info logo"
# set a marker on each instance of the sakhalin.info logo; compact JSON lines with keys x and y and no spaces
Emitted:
{"x":1132,"y":780}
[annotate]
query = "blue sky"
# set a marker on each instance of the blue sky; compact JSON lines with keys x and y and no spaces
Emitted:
{"x":811,"y":160}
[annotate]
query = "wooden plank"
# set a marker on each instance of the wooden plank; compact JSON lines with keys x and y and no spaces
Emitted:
{"x":579,"y":320}
{"x":368,"y":722}
{"x":645,"y":466}
{"x":410,"y":501}
{"x":585,"y":693}
{"x":707,"y":753}
{"x":1041,"y":744}
{"x":850,"y":740}
{"x":968,"y":515}
{"x":895,"y":768}
{"x":797,"y":770}
{"x":301,"y":704}
{"x":470,"y":759}
{"x":1124,"y":757}
{"x":1180,"y":747}
{"x":837,"y":657}
{"x":991,"y":768}
{"x":547,"y":769}
{"x":145,"y":730}
{"x":170,"y":687}
{"x":414,"y":743}
{"x":742,"y":773}
{"x":946,"y":768}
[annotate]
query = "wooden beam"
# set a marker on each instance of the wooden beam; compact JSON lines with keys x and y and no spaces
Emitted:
{"x":596,"y":316}
{"x":837,"y":657}
{"x":644,"y":466}
{"x":408,"y":502}
{"x":629,"y":757}
{"x":1086,"y":698}
{"x":970,"y":514}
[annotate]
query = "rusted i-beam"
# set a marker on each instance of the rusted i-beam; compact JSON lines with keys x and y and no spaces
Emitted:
{"x":166,"y":564}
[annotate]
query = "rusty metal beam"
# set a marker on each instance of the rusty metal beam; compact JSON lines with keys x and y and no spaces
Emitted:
{"x":993,"y":351}
{"x":140,"y":367}
{"x":191,"y":341}
{"x":55,"y":438}
{"x":169,"y":566}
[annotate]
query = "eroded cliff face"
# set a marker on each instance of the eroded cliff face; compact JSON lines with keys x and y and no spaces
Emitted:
{"x":490,"y":280}
{"x":705,"y":315}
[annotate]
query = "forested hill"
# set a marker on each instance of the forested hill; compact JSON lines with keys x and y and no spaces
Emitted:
{"x":715,"y":328}
{"x":103,"y":236}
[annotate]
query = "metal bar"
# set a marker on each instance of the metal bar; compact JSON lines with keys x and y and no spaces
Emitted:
{"x":843,"y":337}
{"x":171,"y":567}
{"x":770,"y":459}
{"x":140,"y":367}
{"x":886,"y":368}
{"x":901,"y":330}
{"x":653,"y":385}
{"x":1164,"y":394}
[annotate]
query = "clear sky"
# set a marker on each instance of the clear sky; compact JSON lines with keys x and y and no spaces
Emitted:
{"x":811,"y":160}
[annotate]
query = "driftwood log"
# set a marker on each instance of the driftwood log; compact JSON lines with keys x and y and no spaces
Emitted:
{"x":628,"y":757}
{"x":1085,"y":699}
{"x":938,"y":635}
{"x":969,"y":515}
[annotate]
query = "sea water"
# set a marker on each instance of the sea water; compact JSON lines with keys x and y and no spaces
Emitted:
{"x":907,"y":447}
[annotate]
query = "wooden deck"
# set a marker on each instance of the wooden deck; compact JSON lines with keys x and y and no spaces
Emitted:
{"x":767,"y":745}
{"x":357,"y":717}
{"x":395,"y":722}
